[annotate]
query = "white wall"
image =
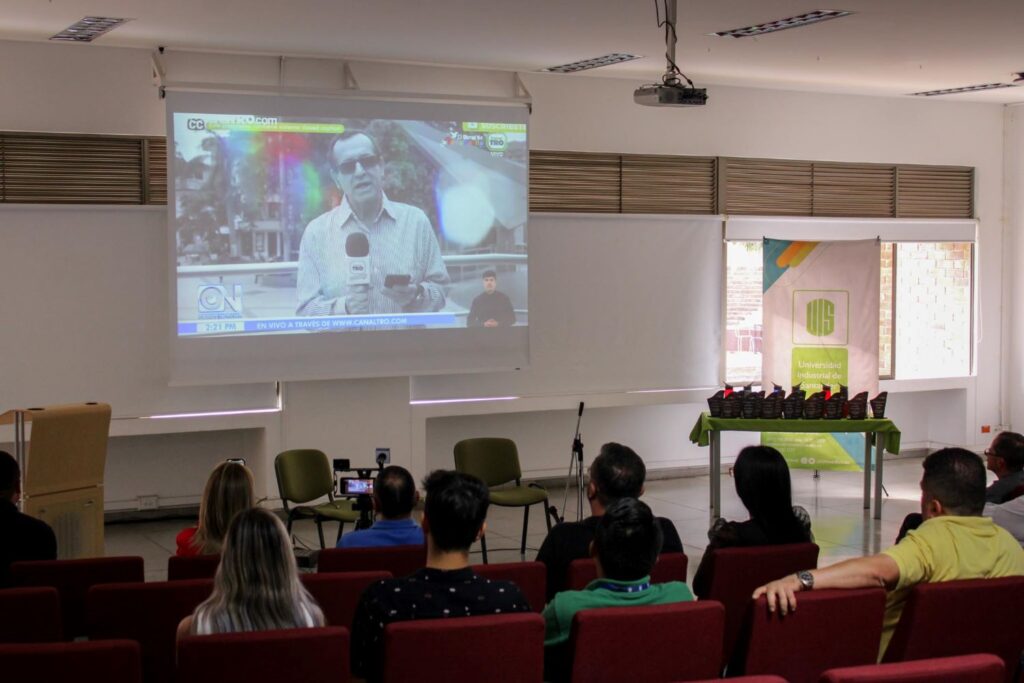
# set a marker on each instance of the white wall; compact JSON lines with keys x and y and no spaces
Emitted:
{"x":92,"y":89}
{"x":1013,"y":310}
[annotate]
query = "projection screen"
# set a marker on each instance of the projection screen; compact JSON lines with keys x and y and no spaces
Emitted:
{"x":329,"y":238}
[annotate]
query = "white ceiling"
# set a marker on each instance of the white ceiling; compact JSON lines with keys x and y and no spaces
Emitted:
{"x":889,"y":47}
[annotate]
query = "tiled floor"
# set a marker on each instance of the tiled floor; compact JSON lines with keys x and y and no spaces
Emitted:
{"x":842,"y":528}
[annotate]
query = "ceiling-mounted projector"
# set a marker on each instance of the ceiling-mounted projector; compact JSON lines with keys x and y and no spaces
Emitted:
{"x":670,"y":95}
{"x":671,"y":92}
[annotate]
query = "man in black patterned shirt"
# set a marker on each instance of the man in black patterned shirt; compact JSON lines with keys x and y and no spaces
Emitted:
{"x":453,"y":518}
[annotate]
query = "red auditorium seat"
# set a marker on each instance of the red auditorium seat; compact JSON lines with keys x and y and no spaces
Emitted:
{"x":338,"y":593}
{"x":73,"y":578}
{"x":965,"y":669}
{"x":148,"y":613}
{"x":675,"y":642}
{"x":953,"y":618}
{"x":309,"y":655}
{"x":736,"y":572}
{"x":744,"y":679}
{"x":198,"y":567}
{"x":400,"y":560}
{"x":833,"y":628}
{"x":112,"y":661}
{"x":506,"y":648}
{"x":531,"y":577}
{"x":669,"y":567}
{"x":29,"y":615}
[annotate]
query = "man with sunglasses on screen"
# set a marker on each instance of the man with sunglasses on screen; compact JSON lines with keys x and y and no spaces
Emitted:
{"x":369,"y":255}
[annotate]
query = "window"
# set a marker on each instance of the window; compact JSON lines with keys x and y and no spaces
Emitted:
{"x":925,"y":310}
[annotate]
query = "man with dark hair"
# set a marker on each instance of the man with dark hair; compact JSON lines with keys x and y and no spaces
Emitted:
{"x":617,"y":472}
{"x":394,"y":497}
{"x":954,"y":542}
{"x":401,"y":242}
{"x":453,"y":519}
{"x":1005,"y":458}
{"x":492,"y":308}
{"x":21,"y":537}
{"x":627,"y":540}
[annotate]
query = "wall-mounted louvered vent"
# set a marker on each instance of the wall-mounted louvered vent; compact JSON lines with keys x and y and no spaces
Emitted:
{"x":854,"y":190}
{"x":574,"y":182}
{"x":935,"y":192}
{"x":767,"y":186}
{"x":668,"y":184}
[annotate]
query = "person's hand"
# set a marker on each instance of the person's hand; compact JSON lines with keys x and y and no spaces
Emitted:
{"x":401,"y":294}
{"x":358,"y":301}
{"x":491,"y":323}
{"x":781,"y":594}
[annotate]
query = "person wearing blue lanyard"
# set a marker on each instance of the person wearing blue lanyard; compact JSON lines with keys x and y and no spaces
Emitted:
{"x":625,"y":547}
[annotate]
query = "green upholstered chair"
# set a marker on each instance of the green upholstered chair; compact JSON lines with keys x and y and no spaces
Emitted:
{"x":304,"y":475}
{"x":496,"y":462}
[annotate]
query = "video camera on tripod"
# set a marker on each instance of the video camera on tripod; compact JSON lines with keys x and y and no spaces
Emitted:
{"x":360,"y":486}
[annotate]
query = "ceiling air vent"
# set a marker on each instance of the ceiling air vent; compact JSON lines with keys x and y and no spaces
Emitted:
{"x":593,"y":63}
{"x":805,"y":19}
{"x":966,"y":88}
{"x":88,"y":29}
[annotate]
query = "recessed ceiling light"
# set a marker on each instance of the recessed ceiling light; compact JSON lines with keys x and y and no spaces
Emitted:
{"x":593,"y":63}
{"x":782,"y":24}
{"x":88,"y":29}
{"x":966,"y":88}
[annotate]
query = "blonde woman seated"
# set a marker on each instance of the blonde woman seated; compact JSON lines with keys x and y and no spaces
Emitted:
{"x":229,"y":490}
{"x":257,"y":586}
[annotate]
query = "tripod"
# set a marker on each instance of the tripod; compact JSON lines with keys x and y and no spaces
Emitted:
{"x":575,"y":473}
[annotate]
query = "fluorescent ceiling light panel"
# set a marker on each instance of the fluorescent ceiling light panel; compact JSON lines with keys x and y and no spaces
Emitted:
{"x":88,"y":29}
{"x":966,"y":88}
{"x":593,"y":63}
{"x":805,"y":19}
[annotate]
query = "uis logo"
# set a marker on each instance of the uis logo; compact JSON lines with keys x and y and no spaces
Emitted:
{"x":196,"y":124}
{"x":821,"y":317}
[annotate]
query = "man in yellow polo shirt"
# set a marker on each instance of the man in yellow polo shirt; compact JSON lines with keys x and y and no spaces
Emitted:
{"x":954,"y":542}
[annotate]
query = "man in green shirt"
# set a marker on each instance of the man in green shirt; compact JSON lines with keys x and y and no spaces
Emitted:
{"x":625,"y":547}
{"x":954,"y":542}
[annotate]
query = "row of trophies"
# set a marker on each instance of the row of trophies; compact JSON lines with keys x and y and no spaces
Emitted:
{"x":749,"y":404}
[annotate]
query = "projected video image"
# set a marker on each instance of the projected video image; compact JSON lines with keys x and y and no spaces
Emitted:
{"x":311,"y":225}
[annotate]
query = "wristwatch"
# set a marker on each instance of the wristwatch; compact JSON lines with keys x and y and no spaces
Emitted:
{"x":806,"y":580}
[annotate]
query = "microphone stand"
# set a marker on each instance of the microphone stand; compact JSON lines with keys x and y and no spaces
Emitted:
{"x":575,"y":472}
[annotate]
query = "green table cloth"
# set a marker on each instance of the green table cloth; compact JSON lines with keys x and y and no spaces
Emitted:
{"x":706,"y":423}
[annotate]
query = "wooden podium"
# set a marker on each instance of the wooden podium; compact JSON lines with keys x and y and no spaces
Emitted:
{"x":62,"y":468}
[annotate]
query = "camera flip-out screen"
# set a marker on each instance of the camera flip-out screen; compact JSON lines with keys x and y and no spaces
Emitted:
{"x":294,"y":217}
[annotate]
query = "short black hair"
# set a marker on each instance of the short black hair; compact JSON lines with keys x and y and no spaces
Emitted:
{"x":10,"y":475}
{"x":617,"y":472}
{"x":956,"y":478}
{"x":627,"y":540}
{"x":1010,"y":447}
{"x":455,"y":509}
{"x":489,"y":273}
{"x":395,"y":491}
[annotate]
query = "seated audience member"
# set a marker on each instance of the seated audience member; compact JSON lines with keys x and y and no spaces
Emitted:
{"x":453,"y":518}
{"x":953,"y":542}
{"x":763,"y":485}
{"x":21,"y":537}
{"x":257,"y":586}
{"x":626,"y":544}
{"x":1005,"y":458}
{"x":229,"y":490}
{"x":394,"y":497}
{"x":1009,"y":515}
{"x":617,"y":472}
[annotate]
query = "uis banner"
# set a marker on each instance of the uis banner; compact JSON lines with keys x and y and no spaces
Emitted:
{"x":821,"y":327}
